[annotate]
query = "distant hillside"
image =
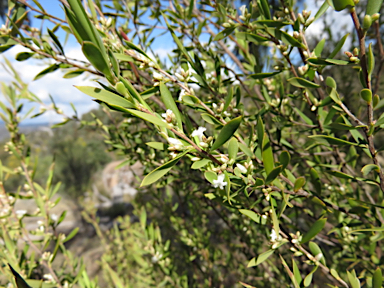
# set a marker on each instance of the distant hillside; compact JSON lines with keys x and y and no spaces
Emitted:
{"x":24,"y":128}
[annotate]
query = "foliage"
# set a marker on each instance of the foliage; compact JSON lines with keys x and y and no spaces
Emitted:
{"x":255,"y":177}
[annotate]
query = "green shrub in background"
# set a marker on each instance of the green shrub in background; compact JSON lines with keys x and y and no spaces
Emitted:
{"x":253,"y":176}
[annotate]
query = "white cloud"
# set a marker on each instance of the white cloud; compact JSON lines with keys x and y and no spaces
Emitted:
{"x":62,"y":90}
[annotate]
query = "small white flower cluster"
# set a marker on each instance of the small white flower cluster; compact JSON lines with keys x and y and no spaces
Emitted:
{"x":169,"y":116}
{"x":244,"y":13}
{"x":5,"y":30}
{"x":156,"y":257}
{"x":175,"y":145}
{"x":183,"y":76}
{"x":106,"y":22}
{"x":219,"y":182}
{"x":275,"y":239}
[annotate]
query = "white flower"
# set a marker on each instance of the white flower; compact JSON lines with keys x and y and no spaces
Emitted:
{"x":243,"y":9}
{"x":219,"y":182}
{"x":54,"y":217}
{"x":156,"y":257}
{"x":20,"y":213}
{"x":174,"y":141}
{"x":273,"y":235}
{"x":157,"y":76}
{"x":167,"y":114}
{"x":182,"y":94}
{"x":48,"y":277}
{"x":241,"y":168}
{"x":199,"y":133}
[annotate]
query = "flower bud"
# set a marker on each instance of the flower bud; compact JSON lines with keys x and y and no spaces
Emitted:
{"x":367,"y":22}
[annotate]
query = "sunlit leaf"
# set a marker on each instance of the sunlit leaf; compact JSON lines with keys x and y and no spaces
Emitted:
{"x":226,"y":132}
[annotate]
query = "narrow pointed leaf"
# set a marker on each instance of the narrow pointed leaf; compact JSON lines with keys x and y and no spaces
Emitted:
{"x":170,"y":104}
{"x":377,"y":279}
{"x":233,"y":148}
{"x":226,"y":132}
{"x":267,"y":154}
{"x":251,"y":214}
{"x":314,"y":230}
{"x":284,"y":158}
{"x":273,"y":174}
{"x":20,"y":282}
{"x":161,"y":171}
{"x":329,"y":140}
{"x":299,"y":183}
{"x":97,"y":58}
{"x":302,"y":83}
{"x":368,"y":168}
{"x":106,"y":96}
{"x":260,"y":259}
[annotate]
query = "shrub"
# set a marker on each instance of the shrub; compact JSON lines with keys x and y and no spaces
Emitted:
{"x":254,"y":176}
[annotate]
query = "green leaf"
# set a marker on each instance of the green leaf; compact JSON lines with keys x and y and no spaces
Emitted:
{"x":329,"y":140}
{"x":284,"y":158}
{"x":322,"y":10}
{"x":156,"y":145}
{"x":201,"y":163}
{"x":226,"y":132}
{"x":296,"y":272}
{"x":273,"y":174}
{"x":370,"y":61}
{"x":106,"y":96}
{"x":251,"y":214}
{"x":368,"y":168}
{"x":46,"y":71}
{"x":148,"y":117}
{"x":339,"y":45}
{"x":260,"y":259}
{"x":264,"y":6}
{"x":22,"y":56}
{"x":56,"y":41}
{"x":271,"y":23}
{"x":327,"y":61}
{"x":320,"y":46}
{"x":20,"y":282}
{"x":340,"y":5}
{"x":123,"y":57}
{"x":97,"y":59}
{"x":315,"y":179}
{"x":233,"y":148}
{"x":210,"y":176}
{"x":250,"y":37}
{"x":299,"y":183}
{"x":353,"y":280}
{"x":373,"y":6}
{"x":137,"y":49}
{"x":73,"y":73}
{"x":308,"y":278}
{"x":161,"y":170}
{"x":339,"y":174}
{"x":209,"y":118}
{"x":71,"y":235}
{"x":263,"y":75}
{"x":285,"y":37}
{"x":314,"y":230}
{"x":267,"y":155}
{"x":315,"y":250}
{"x":224,"y":33}
{"x":302,"y":83}
{"x":377,"y":279}
{"x":246,"y":150}
{"x":81,"y":25}
{"x":291,"y":275}
{"x":170,"y":104}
